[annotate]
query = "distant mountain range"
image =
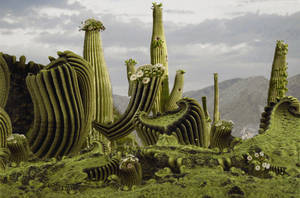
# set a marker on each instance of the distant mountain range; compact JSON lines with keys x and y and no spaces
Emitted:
{"x":241,"y":100}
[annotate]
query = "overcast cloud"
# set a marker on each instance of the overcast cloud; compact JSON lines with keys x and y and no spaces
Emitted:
{"x":235,"y":38}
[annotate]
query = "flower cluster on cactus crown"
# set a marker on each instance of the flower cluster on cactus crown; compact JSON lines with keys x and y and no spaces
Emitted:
{"x":129,"y":158}
{"x":92,"y":25}
{"x":146,"y":72}
{"x":258,"y":160}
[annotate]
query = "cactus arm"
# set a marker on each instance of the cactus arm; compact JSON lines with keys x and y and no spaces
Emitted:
{"x":141,"y":100}
{"x":130,"y":65}
{"x":176,"y":93}
{"x":278,"y":80}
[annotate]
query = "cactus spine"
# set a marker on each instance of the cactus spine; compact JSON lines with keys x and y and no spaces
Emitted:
{"x":93,"y":53}
{"x":278,"y":80}
{"x":158,"y":53}
{"x":216,"y":117}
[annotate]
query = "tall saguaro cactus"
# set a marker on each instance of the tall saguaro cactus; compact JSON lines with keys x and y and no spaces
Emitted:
{"x":93,"y":53}
{"x":159,"y":55}
{"x":216,"y":99}
{"x":278,"y":80}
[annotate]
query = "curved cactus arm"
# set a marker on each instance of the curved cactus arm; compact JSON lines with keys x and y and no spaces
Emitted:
{"x":59,"y":124}
{"x":278,"y":80}
{"x":176,"y":93}
{"x":145,"y":87}
{"x":4,"y":81}
{"x":187,"y":123}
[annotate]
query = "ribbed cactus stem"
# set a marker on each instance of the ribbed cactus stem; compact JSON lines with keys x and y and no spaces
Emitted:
{"x":4,"y":81}
{"x":216,"y":99}
{"x":93,"y":53}
{"x":159,"y":55}
{"x":204,"y":105}
{"x":130,"y":65}
{"x":208,"y":120}
{"x":176,"y":93}
{"x":278,"y":80}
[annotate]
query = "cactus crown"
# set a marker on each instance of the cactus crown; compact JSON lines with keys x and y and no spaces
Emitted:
{"x":130,"y":62}
{"x":92,"y":25}
{"x":155,"y":4}
{"x":282,"y":48}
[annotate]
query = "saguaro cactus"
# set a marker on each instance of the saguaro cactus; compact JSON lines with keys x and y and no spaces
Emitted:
{"x":278,"y":80}
{"x":158,"y":53}
{"x":216,"y":117}
{"x":93,"y":53}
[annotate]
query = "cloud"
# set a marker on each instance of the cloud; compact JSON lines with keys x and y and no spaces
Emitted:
{"x":241,"y":46}
{"x":171,"y":11}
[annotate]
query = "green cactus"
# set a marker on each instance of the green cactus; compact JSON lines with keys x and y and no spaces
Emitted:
{"x":216,"y":117}
{"x":62,"y":97}
{"x":278,"y":80}
{"x":130,"y":171}
{"x":158,"y":53}
{"x":4,"y":158}
{"x":19,"y":148}
{"x":145,"y":86}
{"x":176,"y":93}
{"x":187,"y":123}
{"x":4,"y":81}
{"x":19,"y":105}
{"x":103,"y":172}
{"x":272,"y":116}
{"x":5,"y":128}
{"x":221,"y":134}
{"x":93,"y":53}
{"x":130,"y":64}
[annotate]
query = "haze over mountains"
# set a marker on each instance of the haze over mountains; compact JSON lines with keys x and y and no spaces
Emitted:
{"x":241,"y":100}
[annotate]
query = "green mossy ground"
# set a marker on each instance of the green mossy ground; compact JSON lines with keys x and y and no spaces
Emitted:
{"x":192,"y":172}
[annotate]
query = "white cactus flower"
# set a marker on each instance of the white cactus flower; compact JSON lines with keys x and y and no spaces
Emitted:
{"x":264,"y":165}
{"x":133,"y":77}
{"x":139,"y":74}
{"x":249,"y":158}
{"x":261,"y":153}
{"x":257,"y":167}
{"x":146,"y":80}
{"x":256,"y":155}
{"x":267,"y":166}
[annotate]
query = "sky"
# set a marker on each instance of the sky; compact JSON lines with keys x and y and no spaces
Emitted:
{"x":235,"y":38}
